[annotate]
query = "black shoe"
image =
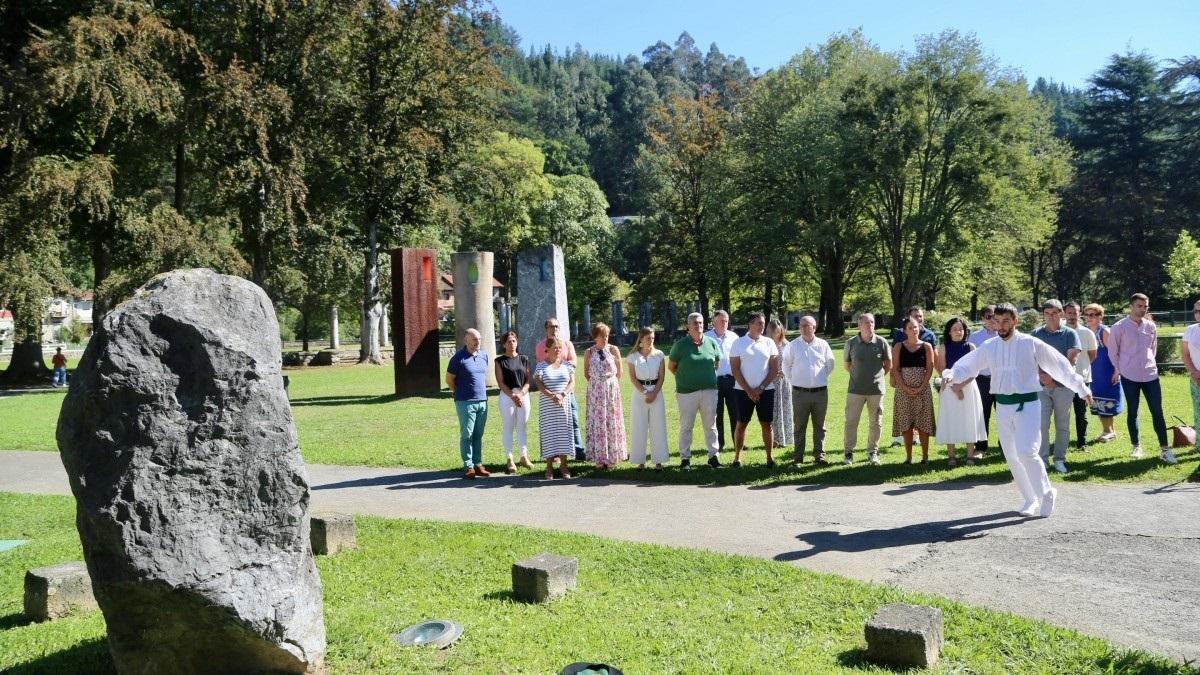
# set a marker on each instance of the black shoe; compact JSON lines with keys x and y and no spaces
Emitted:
{"x":580,"y":455}
{"x":770,"y":464}
{"x":737,"y":464}
{"x":685,"y":465}
{"x":714,"y":463}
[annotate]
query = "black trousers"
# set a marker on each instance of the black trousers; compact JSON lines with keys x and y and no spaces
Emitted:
{"x":1081,"y":415}
{"x":985,"y":393}
{"x":726,"y":402}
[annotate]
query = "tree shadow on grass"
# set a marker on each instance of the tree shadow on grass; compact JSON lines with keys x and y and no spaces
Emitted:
{"x":342,"y":400}
{"x":1116,"y":468}
{"x":505,"y":596}
{"x":908,"y":535}
{"x":89,"y":656}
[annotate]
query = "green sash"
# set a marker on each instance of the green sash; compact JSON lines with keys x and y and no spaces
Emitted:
{"x":1018,"y":400}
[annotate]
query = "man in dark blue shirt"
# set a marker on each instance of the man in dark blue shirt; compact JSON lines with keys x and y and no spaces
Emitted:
{"x":926,"y":334}
{"x":466,"y":375}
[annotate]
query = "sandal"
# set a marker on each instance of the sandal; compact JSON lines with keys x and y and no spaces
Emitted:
{"x":549,"y":474}
{"x":566,"y":474}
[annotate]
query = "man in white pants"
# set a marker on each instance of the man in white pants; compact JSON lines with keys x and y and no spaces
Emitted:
{"x":1015,"y":361}
{"x":694,"y":360}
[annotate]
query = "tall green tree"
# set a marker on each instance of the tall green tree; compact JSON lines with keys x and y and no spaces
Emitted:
{"x":416,"y":76}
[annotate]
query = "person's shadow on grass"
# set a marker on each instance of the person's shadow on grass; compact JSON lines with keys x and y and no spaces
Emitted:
{"x":908,"y":535}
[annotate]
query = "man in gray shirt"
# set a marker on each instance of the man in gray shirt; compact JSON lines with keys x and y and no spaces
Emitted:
{"x":1055,"y":397}
{"x":868,"y":360}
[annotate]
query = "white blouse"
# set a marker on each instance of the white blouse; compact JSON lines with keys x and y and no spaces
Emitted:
{"x":645,"y":367}
{"x":1014,"y":364}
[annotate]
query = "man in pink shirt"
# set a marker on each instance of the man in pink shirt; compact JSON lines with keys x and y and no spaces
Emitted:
{"x":568,"y":356}
{"x":1132,"y":346}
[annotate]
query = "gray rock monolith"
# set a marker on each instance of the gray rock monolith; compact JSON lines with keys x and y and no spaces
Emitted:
{"x":191,"y":498}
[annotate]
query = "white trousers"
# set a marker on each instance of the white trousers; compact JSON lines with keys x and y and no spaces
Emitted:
{"x":647,"y":417}
{"x":1021,"y":438}
{"x":704,"y":402}
{"x":513,"y":418}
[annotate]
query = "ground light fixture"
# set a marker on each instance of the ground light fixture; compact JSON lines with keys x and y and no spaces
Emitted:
{"x":440,"y":633}
{"x":584,"y":668}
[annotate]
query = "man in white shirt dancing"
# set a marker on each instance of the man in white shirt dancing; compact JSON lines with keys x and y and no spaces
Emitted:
{"x":1015,"y":360}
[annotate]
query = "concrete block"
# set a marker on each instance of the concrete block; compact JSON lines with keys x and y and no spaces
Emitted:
{"x":905,"y":635}
{"x":543,"y":577}
{"x":58,"y":590}
{"x":333,"y":532}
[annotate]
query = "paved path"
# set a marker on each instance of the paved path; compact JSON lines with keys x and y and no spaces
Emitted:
{"x":1120,"y":562}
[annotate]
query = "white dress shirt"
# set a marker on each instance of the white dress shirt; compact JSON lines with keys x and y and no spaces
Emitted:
{"x":808,"y":364}
{"x":1014,"y":364}
{"x":726,"y":345}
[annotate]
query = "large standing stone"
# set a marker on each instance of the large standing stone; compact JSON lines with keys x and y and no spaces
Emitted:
{"x":415,"y":321}
{"x":473,"y":303}
{"x":541,"y":294}
{"x":192,"y":500}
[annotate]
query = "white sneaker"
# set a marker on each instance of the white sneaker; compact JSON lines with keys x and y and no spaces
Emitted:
{"x":1030,"y":509}
{"x":1060,"y":466}
{"x":848,"y":461}
{"x":1167,"y":456}
{"x":1137,"y":452}
{"x":1106,"y":437}
{"x":1048,"y":500}
{"x":874,"y":459}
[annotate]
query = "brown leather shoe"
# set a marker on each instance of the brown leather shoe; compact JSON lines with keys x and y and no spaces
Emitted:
{"x":480,"y":471}
{"x":469,"y":474}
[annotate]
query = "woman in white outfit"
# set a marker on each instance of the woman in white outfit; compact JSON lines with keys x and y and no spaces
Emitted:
{"x":647,"y":412}
{"x":960,"y":414}
{"x":513,"y":375}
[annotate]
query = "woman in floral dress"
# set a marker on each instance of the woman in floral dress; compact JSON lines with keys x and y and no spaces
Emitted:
{"x":605,"y":424}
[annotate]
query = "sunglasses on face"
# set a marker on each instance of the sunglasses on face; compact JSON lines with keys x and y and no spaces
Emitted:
{"x":1091,"y":314}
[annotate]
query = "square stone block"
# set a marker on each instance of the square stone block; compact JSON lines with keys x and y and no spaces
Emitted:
{"x":333,"y":532}
{"x":543,"y":577}
{"x":905,"y":635}
{"x":58,"y":590}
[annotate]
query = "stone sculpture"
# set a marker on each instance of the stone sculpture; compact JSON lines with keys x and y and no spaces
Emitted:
{"x":191,"y":497}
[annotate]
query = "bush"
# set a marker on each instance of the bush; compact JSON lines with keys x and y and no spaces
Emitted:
{"x":73,"y":333}
{"x":1028,"y":320}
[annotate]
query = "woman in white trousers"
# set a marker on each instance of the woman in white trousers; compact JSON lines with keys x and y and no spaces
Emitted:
{"x":647,"y":412}
{"x":513,"y":375}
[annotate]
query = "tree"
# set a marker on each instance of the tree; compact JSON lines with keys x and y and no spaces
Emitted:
{"x":500,"y":185}
{"x":686,"y":159}
{"x":1183,"y":268}
{"x":414,"y":92}
{"x":941,"y":139}
{"x":573,"y":217}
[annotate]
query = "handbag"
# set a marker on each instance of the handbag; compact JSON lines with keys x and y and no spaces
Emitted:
{"x":1182,"y":435}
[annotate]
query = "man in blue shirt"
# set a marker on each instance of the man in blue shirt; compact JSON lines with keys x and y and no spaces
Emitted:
{"x":1056,"y":397}
{"x":466,"y":375}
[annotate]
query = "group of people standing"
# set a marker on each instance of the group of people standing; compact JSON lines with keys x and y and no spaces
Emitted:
{"x":1064,"y":367}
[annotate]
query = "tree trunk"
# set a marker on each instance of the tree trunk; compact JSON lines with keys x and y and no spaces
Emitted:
{"x":823,"y":305}
{"x":768,"y":305}
{"x":101,"y":269}
{"x":368,"y":350}
{"x":180,"y":178}
{"x":975,"y":304}
{"x":837,"y":293}
{"x":304,"y":330}
{"x":27,"y":365}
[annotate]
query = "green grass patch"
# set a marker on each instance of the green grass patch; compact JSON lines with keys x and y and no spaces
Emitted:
{"x":348,"y":415}
{"x":644,"y":608}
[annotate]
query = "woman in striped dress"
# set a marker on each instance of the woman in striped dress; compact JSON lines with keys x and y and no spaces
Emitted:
{"x":554,"y":380}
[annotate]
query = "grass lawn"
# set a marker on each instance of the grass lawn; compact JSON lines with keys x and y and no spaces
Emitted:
{"x":643,"y":608}
{"x":348,"y":415}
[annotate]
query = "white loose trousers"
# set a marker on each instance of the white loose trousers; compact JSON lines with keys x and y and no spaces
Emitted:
{"x":647,"y":417}
{"x":1021,"y":438}
{"x":705,"y":403}
{"x":514,"y":418}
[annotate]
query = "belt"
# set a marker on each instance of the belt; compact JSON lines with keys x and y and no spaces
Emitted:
{"x":1018,"y":400}
{"x":811,"y":389}
{"x":649,"y":383}
{"x":721,"y":377}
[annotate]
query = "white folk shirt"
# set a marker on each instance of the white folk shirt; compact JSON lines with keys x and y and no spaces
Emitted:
{"x":1087,"y":343}
{"x":1014,"y":364}
{"x":726,"y":344}
{"x":807,"y":364}
{"x":755,"y":358}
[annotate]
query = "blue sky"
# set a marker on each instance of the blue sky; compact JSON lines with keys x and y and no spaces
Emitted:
{"x":1063,"y":40}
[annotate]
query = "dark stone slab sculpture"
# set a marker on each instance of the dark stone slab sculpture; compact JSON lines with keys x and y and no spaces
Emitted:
{"x":191,"y":497}
{"x":415,"y":321}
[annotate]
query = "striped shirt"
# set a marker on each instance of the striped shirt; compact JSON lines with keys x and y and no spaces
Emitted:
{"x":555,"y":423}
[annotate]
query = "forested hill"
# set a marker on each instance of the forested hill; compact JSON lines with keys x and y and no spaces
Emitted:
{"x":588,"y":112}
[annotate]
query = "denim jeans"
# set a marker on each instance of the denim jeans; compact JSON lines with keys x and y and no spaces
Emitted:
{"x":60,"y":377}
{"x":1153,"y":392}
{"x":472,"y":418}
{"x":1196,"y":410}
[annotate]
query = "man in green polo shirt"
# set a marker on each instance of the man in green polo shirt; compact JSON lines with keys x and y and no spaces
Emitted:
{"x":694,"y":360}
{"x":868,"y":360}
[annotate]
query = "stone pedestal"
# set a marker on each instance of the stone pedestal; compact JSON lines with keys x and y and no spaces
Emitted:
{"x":671,"y":321}
{"x":644,"y":318}
{"x":415,"y":321}
{"x":543,"y":577}
{"x":541,"y":294}
{"x":617,"y":331}
{"x":58,"y":590}
{"x":473,"y":303}
{"x":335,"y":340}
{"x":587,"y":321}
{"x":505,"y":317}
{"x":333,"y":532}
{"x":384,"y":338}
{"x":905,"y":635}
